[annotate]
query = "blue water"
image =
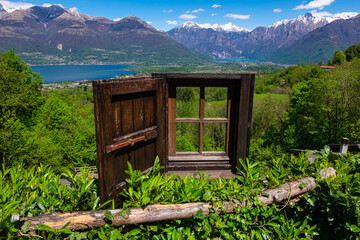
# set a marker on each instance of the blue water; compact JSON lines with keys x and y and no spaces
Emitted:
{"x":60,"y":73}
{"x":234,"y":60}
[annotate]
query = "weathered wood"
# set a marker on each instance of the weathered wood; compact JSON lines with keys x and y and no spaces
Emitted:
{"x":240,"y":93}
{"x":160,"y":115}
{"x":227,"y":174}
{"x":125,"y":107}
{"x":131,"y":142}
{"x":129,"y":125}
{"x":351,"y":147}
{"x":192,"y":158}
{"x":149,"y":133}
{"x":199,"y":165}
{"x":246,"y":88}
{"x":171,"y":116}
{"x":194,"y":76}
{"x":130,"y":139}
{"x":204,"y":120}
{"x":158,"y":212}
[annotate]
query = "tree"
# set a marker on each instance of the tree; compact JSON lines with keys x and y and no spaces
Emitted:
{"x":339,"y":58}
{"x":325,"y":109}
{"x":20,"y":96}
{"x":353,"y":52}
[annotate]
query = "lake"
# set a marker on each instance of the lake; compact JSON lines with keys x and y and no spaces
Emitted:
{"x":234,"y":60}
{"x":60,"y":73}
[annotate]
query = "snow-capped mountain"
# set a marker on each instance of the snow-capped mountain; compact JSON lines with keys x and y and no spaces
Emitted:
{"x":229,"y":41}
{"x":307,"y":19}
{"x":229,"y":27}
{"x":52,"y":34}
{"x":2,"y":9}
{"x":322,"y":43}
{"x":314,"y":19}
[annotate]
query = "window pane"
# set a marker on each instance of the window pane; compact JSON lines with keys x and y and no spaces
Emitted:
{"x":216,"y":102}
{"x":187,"y":137}
{"x":187,"y":102}
{"x":214,"y":137}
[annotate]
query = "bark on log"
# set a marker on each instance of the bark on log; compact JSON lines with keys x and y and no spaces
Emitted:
{"x":157,"y":212}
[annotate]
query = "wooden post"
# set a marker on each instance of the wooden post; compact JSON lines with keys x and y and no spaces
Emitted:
{"x":159,"y":212}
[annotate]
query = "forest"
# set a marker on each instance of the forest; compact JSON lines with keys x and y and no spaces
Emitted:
{"x":45,"y":133}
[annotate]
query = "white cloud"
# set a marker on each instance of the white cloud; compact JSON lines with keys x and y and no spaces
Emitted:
{"x":320,"y":14}
{"x":277,"y":10}
{"x":188,"y":11}
{"x":237,"y":16}
{"x":187,"y":16}
{"x":171,"y":22}
{"x":149,"y":22}
{"x":216,"y":6}
{"x":320,"y":4}
{"x":12,"y":6}
{"x":168,"y":11}
{"x":198,"y":10}
{"x":213,"y":14}
{"x":117,"y":19}
{"x":343,"y":15}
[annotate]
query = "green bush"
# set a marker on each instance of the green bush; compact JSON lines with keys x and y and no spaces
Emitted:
{"x":329,"y":212}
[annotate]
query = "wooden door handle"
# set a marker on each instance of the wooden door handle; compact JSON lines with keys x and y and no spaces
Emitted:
{"x":126,"y":143}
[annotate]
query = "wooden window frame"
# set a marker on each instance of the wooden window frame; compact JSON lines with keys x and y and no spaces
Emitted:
{"x":201,"y":120}
{"x":133,"y":122}
{"x":240,"y":97}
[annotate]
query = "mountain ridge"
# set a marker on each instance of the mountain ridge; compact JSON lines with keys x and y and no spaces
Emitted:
{"x":52,"y":34}
{"x":322,"y":43}
{"x":260,"y":43}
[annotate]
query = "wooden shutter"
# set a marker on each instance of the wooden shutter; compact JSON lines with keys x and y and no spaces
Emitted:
{"x":129,"y":116}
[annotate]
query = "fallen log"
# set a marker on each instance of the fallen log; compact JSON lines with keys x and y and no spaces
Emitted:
{"x":158,"y":212}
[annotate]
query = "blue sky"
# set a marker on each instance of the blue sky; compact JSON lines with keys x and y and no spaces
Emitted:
{"x":165,"y":14}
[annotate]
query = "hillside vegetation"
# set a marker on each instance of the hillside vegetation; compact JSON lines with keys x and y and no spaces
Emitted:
{"x":45,"y":133}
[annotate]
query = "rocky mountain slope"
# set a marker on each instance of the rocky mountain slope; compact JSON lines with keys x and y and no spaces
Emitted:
{"x":322,"y":43}
{"x":52,"y":34}
{"x":262,"y":43}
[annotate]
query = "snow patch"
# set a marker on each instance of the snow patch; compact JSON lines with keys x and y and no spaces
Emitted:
{"x":315,"y":18}
{"x":74,"y":9}
{"x":13,"y":6}
{"x":229,"y":27}
{"x":190,"y":24}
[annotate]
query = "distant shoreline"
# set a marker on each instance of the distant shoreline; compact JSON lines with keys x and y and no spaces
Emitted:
{"x":72,"y":73}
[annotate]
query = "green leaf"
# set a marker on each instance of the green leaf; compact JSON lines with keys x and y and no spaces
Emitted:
{"x":26,"y":227}
{"x":301,"y":186}
{"x":65,"y":230}
{"x":207,"y":195}
{"x":354,"y":228}
{"x":66,"y":224}
{"x":199,"y":214}
{"x":108,"y":215}
{"x":224,"y":233}
{"x":152,"y":228}
{"x":43,"y":227}
{"x":115,"y":234}
{"x":134,"y":232}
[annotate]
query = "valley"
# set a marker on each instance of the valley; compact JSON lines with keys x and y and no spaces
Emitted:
{"x":52,"y":34}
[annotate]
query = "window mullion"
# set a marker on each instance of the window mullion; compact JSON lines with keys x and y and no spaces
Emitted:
{"x":201,"y":130}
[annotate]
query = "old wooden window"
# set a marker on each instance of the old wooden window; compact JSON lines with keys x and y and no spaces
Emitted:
{"x":191,"y":121}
